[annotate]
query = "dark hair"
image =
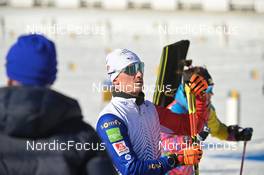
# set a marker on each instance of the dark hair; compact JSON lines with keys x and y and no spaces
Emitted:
{"x":202,"y":71}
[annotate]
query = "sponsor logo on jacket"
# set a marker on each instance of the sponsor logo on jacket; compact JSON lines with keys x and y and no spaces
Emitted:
{"x":111,"y":123}
{"x":121,"y":148}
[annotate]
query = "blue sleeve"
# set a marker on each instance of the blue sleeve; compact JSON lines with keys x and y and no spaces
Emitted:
{"x":114,"y":133}
{"x":181,"y":105}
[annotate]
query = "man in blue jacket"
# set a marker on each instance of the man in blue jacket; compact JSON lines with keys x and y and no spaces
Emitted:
{"x":130,"y":125}
{"x":41,"y":130}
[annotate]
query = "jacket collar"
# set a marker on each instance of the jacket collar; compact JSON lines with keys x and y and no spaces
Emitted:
{"x":139,"y":99}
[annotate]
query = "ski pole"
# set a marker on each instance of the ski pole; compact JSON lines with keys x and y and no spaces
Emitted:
{"x":243,"y":157}
{"x":192,"y":116}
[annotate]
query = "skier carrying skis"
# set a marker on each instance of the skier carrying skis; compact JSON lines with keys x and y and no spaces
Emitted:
{"x":130,"y":125}
{"x":216,"y":127}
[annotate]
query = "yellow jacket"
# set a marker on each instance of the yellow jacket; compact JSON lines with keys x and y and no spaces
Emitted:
{"x":217,"y":128}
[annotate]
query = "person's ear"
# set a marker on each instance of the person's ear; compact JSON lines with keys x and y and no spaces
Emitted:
{"x":12,"y":83}
{"x":9,"y":82}
{"x":115,"y":81}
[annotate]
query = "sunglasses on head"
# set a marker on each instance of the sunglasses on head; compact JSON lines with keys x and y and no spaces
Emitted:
{"x":134,"y":68}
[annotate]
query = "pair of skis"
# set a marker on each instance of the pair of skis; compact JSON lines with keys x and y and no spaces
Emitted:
{"x":172,"y":62}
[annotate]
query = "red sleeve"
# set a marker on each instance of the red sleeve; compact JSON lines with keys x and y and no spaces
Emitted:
{"x":202,"y":112}
{"x":180,"y":123}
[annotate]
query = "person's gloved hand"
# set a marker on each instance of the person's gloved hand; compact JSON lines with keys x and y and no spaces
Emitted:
{"x":189,"y":156}
{"x":197,"y":84}
{"x":203,"y":134}
{"x":240,"y":134}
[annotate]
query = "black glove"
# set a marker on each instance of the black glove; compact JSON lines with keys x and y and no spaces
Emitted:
{"x":240,"y":134}
{"x":203,"y":134}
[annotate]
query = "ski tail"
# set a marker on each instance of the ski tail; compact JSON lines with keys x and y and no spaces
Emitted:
{"x":172,"y":62}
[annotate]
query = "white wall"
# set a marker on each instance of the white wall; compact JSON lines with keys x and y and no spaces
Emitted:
{"x":189,"y":4}
{"x":164,"y":4}
{"x":259,"y":6}
{"x":115,"y":4}
{"x":67,"y":3}
{"x":219,"y":5}
{"x":242,"y":4}
{"x":140,"y":3}
{"x":21,"y":3}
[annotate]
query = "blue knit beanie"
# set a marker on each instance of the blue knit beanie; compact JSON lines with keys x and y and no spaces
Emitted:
{"x":32,"y":61}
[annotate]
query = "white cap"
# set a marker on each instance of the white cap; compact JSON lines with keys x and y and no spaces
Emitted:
{"x":118,"y":60}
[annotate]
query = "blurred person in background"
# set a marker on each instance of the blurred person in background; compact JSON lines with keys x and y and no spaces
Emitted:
{"x":130,"y":125}
{"x":213,"y":126}
{"x":42,"y":131}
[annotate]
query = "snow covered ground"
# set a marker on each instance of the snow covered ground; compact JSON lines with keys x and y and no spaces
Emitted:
{"x":83,"y":37}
